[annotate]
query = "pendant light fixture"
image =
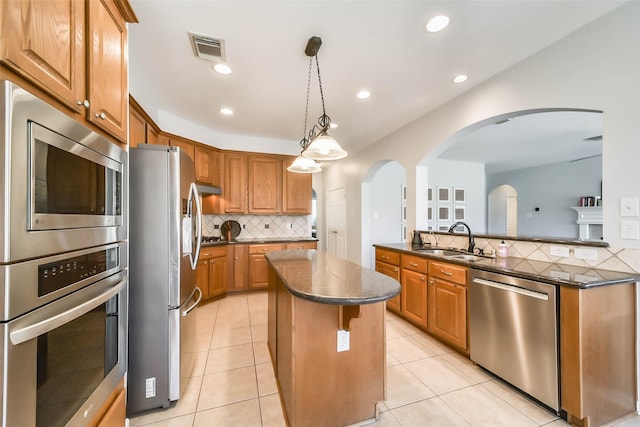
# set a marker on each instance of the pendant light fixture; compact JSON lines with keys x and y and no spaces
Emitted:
{"x":317,"y":144}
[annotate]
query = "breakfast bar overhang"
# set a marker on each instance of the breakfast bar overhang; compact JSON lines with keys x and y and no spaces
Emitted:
{"x":326,"y":337}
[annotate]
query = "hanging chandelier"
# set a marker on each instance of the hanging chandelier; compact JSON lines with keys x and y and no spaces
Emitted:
{"x":317,"y":144}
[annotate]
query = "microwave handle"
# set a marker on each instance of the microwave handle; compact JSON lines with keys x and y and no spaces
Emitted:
{"x":193,"y":195}
{"x":34,"y":330}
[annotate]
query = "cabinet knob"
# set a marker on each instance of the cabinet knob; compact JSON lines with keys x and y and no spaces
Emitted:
{"x":422,"y":278}
{"x":395,"y":269}
{"x":101,"y":115}
{"x":84,"y":103}
{"x":205,"y":262}
{"x":446,"y":273}
{"x":431,"y":281}
{"x":236,"y":258}
{"x":413,"y":264}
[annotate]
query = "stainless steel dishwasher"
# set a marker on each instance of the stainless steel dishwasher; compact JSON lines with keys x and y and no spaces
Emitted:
{"x":513,"y":331}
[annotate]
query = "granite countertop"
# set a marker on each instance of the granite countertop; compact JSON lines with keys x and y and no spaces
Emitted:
{"x":548,"y":272}
{"x":324,"y":278}
{"x":260,"y":241}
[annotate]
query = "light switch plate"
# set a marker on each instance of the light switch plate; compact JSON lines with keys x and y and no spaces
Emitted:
{"x":630,"y":230}
{"x":629,"y":206}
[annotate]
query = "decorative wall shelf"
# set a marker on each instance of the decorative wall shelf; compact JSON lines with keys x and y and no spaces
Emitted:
{"x":588,"y":217}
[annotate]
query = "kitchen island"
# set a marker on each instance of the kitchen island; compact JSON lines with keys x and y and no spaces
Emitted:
{"x":326,"y":337}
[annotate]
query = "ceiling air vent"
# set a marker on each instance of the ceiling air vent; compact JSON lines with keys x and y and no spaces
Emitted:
{"x":207,"y":47}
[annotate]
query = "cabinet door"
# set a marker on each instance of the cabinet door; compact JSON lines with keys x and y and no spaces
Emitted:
{"x":296,"y":191}
{"x":44,"y":42}
{"x":116,"y":414}
{"x":216,"y":167}
{"x":240,"y":268}
{"x":393,"y":304}
{"x":153,"y":136}
{"x":202,"y":277}
{"x":258,"y":272}
{"x":203,"y":163}
{"x":414,"y":296}
{"x":217,"y":276}
{"x":107,"y":50}
{"x":137,"y":128}
{"x":264,"y":185}
{"x":448,"y":312}
{"x":234,"y":191}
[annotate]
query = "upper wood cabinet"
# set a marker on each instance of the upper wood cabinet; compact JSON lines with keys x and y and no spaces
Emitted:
{"x":208,"y":162}
{"x":142,"y":130}
{"x":265,"y":181}
{"x":74,"y":51}
{"x":296,"y":190}
{"x":234,"y":190}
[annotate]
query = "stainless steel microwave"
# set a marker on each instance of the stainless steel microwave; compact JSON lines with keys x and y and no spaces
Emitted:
{"x":62,"y":187}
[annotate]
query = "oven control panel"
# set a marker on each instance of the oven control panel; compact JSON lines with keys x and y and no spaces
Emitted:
{"x":57,"y":275}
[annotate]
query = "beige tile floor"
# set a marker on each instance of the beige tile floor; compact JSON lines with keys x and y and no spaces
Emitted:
{"x":427,"y":383}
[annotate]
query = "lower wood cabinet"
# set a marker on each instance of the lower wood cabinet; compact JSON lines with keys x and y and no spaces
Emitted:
{"x":414,"y":289}
{"x":388,"y":263}
{"x":448,"y":309}
{"x":239,"y":268}
{"x":113,"y":412}
{"x":258,"y":267}
{"x":211,"y":271}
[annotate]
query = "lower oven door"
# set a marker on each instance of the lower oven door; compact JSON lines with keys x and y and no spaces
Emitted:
{"x":61,"y":361}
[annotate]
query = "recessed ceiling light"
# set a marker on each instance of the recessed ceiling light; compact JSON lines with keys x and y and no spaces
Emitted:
{"x":363,"y":94}
{"x":437,"y":23}
{"x":226,"y":111}
{"x":221,"y":68}
{"x":461,"y":78}
{"x":333,"y":125}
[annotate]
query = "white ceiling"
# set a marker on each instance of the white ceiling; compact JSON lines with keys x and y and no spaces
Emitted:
{"x":377,"y":45}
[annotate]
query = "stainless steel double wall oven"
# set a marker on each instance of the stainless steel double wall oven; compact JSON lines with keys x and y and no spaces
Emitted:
{"x":63,"y":264}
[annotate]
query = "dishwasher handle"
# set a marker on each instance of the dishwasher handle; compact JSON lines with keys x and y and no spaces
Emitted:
{"x":511,"y":288}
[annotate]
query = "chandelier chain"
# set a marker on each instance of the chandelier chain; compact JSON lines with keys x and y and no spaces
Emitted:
{"x":306,"y":110}
{"x":320,"y":84}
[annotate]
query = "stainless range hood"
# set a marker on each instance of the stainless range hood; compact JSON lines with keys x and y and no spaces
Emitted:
{"x":205,"y":190}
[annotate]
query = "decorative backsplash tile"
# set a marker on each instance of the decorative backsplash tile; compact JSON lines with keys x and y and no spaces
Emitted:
{"x":613,"y":259}
{"x":261,"y":226}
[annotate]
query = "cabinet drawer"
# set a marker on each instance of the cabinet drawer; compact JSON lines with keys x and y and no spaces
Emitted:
{"x":414,"y":263}
{"x":263,"y":249}
{"x":389,"y":257}
{"x":213,"y":252}
{"x":450,"y":272}
{"x":301,"y":245}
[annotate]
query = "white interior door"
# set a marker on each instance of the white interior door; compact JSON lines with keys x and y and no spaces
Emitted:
{"x":336,"y":222}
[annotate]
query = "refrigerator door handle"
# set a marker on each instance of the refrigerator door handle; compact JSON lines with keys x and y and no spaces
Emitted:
{"x":195,"y":304}
{"x":194,"y":196}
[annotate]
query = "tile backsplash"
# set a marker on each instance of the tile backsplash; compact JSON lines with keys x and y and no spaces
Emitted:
{"x":613,"y":259}
{"x":261,"y":226}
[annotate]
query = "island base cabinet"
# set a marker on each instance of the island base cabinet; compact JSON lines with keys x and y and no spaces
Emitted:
{"x":318,"y":385}
{"x":597,"y":353}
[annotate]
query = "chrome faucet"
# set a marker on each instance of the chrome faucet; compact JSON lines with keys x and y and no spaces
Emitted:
{"x":472,"y":244}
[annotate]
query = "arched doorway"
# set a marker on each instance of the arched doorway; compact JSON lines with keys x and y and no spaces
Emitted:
{"x":383,"y":208}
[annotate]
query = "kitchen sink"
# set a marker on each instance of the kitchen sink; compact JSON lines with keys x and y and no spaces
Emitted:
{"x":436,"y":251}
{"x":466,"y":257}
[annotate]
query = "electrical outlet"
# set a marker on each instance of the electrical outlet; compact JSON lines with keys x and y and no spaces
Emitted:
{"x":343,"y":340}
{"x":266,"y":226}
{"x":588,"y":254}
{"x":559,"y":251}
{"x":630,"y":230}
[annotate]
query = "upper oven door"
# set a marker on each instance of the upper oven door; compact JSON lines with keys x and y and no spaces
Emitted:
{"x":63,"y":187}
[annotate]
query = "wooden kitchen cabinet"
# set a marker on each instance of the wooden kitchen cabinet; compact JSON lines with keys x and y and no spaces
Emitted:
{"x":388,"y":263}
{"x":296,"y":190}
{"x":142,"y":130}
{"x":207,"y":163}
{"x":74,"y":51}
{"x":258,"y":266}
{"x":234,"y":190}
{"x":265,"y":182}
{"x":211,"y":271}
{"x":176,"y":141}
{"x":300,"y":245}
{"x":240,"y":268}
{"x":413,"y":276}
{"x":447,"y":296}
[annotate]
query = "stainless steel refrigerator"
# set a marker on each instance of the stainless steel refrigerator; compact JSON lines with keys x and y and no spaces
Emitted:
{"x":165,"y":226}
